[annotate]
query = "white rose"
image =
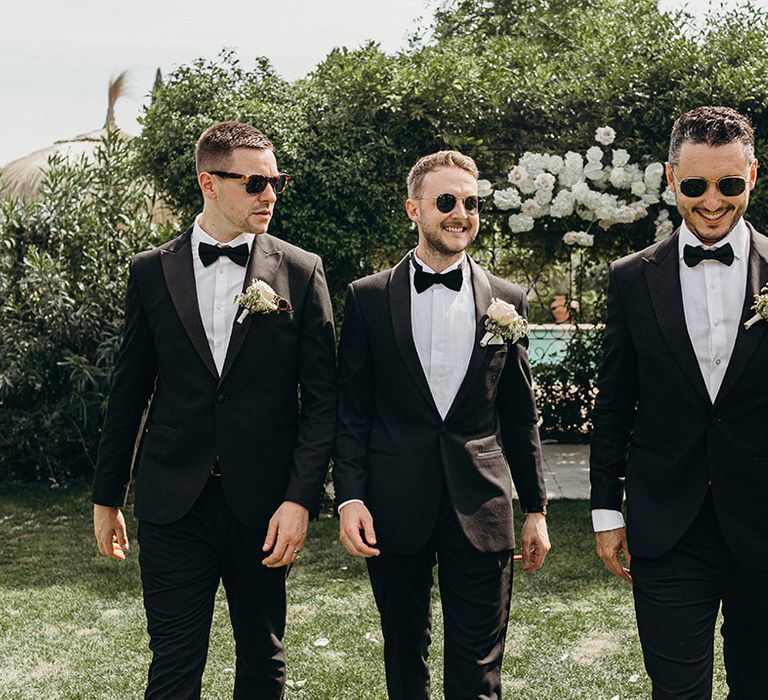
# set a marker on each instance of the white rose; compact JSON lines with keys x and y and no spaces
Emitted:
{"x":594,"y":154}
{"x":605,"y":135}
{"x":556,"y":164}
{"x":580,"y":191}
{"x":650,"y":198}
{"x":663,"y":216}
{"x":593,"y":170}
{"x":668,"y":197}
{"x":569,"y":176}
{"x":638,"y":188}
{"x":586,"y":214}
{"x":530,"y":207}
{"x":484,"y":188}
{"x":543,"y":196}
{"x":585,"y":239}
{"x":664,"y":229}
{"x":624,"y":215}
{"x":506,"y":199}
{"x":517,"y":175}
{"x":534,"y":163}
{"x":639,"y":210}
{"x":654,"y":170}
{"x":519,"y":223}
{"x":544,"y":181}
{"x":620,"y":178}
{"x":573,"y":160}
{"x":620,"y":157}
{"x":527,"y":186}
{"x":572,"y":237}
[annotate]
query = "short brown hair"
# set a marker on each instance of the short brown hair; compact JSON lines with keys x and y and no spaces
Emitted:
{"x":218,"y":141}
{"x":441,"y":159}
{"x":713,"y":126}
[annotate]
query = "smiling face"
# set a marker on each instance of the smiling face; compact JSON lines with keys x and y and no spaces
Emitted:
{"x":228,"y":210}
{"x":711,"y":216}
{"x":444,"y":236}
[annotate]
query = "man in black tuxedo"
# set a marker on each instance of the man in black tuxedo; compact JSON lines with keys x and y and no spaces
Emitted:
{"x":231,"y":463}
{"x":680,"y":422}
{"x":433,"y":428}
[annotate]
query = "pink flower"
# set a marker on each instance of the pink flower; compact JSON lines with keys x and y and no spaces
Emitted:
{"x":605,"y":135}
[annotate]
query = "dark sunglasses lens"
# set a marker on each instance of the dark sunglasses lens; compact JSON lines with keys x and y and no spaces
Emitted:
{"x":279,"y":183}
{"x":255,"y":184}
{"x":473,"y":203}
{"x":731,"y":186}
{"x":445,"y":202}
{"x":693,"y":186}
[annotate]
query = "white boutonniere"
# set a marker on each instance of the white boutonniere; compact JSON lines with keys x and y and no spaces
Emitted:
{"x":760,"y":308}
{"x":260,"y":298}
{"x":503,"y":324}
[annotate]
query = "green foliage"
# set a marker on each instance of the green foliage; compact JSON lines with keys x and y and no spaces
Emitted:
{"x":566,"y":390}
{"x":63,"y":267}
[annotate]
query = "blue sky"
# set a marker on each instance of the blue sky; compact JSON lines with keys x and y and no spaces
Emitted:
{"x":56,"y":58}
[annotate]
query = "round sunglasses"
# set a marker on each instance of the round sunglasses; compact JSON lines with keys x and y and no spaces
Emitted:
{"x":254,"y":184}
{"x":446,"y":202}
{"x":730,"y":186}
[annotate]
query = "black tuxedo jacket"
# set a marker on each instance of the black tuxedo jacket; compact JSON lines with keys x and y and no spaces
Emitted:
{"x":395,"y":452}
{"x":657,"y":432}
{"x":271,"y":444}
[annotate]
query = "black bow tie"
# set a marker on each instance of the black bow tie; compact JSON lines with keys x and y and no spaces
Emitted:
{"x":424,"y":280}
{"x":210,"y":253}
{"x":693,"y":255}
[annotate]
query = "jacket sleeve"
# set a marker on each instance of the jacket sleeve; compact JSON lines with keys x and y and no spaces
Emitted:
{"x":519,"y":424}
{"x":133,"y":382}
{"x":355,"y":405}
{"x":317,"y":387}
{"x":615,"y":406}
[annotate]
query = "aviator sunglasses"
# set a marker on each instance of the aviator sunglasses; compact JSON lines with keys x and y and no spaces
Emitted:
{"x":254,"y":184}
{"x":446,"y":202}
{"x":731,"y":186}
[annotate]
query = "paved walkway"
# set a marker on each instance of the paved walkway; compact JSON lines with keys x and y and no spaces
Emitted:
{"x":566,"y":470}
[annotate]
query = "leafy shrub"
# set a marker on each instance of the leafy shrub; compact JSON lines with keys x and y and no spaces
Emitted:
{"x":63,"y":269}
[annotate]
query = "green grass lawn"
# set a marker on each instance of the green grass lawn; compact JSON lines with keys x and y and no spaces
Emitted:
{"x":72,"y":623}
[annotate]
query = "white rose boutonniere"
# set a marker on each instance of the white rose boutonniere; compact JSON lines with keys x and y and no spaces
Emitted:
{"x":260,"y":298}
{"x":760,"y":308}
{"x":503,"y":323}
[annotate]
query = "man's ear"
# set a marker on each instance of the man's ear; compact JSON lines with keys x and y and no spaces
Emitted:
{"x":670,"y":177}
{"x":412,"y":209}
{"x":205,"y":180}
{"x":753,"y":174}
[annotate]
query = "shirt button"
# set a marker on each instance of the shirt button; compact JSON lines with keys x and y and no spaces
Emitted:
{"x":712,"y":285}
{"x":219,"y":307}
{"x":221,"y":272}
{"x":218,"y":345}
{"x":716,"y":324}
{"x":717,"y":361}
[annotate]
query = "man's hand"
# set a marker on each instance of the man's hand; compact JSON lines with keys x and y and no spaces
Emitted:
{"x":534,"y":541}
{"x":609,"y":544}
{"x":109,"y":528}
{"x":354,"y":518}
{"x":286,"y":534}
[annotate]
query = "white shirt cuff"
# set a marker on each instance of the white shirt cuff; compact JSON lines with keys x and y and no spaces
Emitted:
{"x":604,"y":519}
{"x":346,"y":503}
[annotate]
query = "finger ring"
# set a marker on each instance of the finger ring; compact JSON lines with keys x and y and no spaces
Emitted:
{"x":296,"y":551}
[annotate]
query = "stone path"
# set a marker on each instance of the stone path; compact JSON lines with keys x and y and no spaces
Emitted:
{"x":566,"y":470}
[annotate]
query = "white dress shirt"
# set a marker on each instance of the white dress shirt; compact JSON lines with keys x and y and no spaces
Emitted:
{"x":443,"y":325}
{"x":713,"y":298}
{"x":217,"y":285}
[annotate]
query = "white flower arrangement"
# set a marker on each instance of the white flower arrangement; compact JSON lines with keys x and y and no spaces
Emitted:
{"x":589,"y":187}
{"x":760,"y":308}
{"x":260,"y":298}
{"x":503,"y":324}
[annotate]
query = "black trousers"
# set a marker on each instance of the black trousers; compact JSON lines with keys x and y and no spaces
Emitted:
{"x":475,"y":591}
{"x":181,"y":565}
{"x":677,"y":597}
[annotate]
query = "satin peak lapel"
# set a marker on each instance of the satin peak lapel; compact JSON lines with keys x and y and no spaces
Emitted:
{"x":481,"y":289}
{"x":748,"y":340}
{"x":263,"y":264}
{"x":662,"y":273}
{"x":400,"y":309}
{"x":179,"y":276}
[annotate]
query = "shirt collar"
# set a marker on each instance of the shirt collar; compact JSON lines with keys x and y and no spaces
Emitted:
{"x":738,"y":238}
{"x":459,"y":263}
{"x":200,"y":236}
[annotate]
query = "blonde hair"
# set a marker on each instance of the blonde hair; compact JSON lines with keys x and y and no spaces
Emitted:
{"x":441,"y":159}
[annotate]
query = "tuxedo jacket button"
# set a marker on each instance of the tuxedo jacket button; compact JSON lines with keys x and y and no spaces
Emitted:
{"x":443,"y":430}
{"x":221,"y":398}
